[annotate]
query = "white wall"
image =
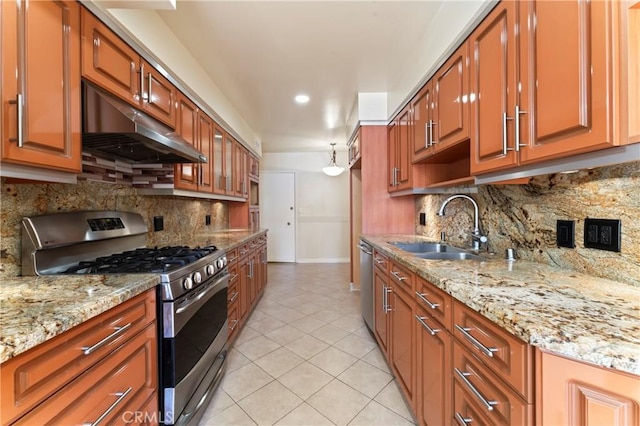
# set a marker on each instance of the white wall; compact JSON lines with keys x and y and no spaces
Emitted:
{"x":151,"y":32}
{"x":452,"y":20}
{"x":322,"y":204}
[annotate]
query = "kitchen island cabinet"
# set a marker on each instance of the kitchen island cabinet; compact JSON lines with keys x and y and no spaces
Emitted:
{"x":40,"y":44}
{"x":110,"y":362}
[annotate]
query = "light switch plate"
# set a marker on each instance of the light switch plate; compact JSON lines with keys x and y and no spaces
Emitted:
{"x":565,"y":233}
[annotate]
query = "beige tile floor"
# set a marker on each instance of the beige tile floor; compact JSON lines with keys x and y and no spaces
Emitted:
{"x":305,"y":357}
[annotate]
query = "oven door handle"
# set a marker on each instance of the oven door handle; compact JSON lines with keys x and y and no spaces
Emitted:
{"x":196,"y":299}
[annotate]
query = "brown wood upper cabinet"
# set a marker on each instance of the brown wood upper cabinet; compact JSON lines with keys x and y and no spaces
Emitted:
{"x":186,"y":174}
{"x":114,"y":66}
{"x":40,"y":41}
{"x":400,"y":143}
{"x":241,"y":172}
{"x":549,"y":93}
{"x":441,"y":109}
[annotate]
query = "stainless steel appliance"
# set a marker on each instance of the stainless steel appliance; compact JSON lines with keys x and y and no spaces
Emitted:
{"x":112,"y":128}
{"x":192,"y":317}
{"x":366,"y":283}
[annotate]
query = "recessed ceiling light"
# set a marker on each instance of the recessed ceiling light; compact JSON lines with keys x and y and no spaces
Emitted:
{"x":302,"y":99}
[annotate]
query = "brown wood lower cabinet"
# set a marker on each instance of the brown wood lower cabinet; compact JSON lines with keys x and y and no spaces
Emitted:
{"x":381,"y":290}
{"x":248,"y":277}
{"x":575,"y":393}
{"x":107,"y":362}
{"x":433,"y":384}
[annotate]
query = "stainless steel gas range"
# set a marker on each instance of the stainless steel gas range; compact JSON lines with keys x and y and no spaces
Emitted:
{"x":192,"y":317}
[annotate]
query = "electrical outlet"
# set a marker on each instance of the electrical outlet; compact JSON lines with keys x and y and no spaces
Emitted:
{"x":565,"y":233}
{"x":207,"y":220}
{"x":603,"y":234}
{"x":423,"y":219}
{"x":158,"y":223}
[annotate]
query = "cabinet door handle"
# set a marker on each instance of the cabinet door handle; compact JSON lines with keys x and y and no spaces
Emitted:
{"x":387,"y":306}
{"x":149,"y":81}
{"x":487,"y":404}
{"x":432,"y":331}
{"x":427,"y":134}
{"x":475,"y":342}
{"x":118,"y":331}
{"x":517,"y":127}
{"x":121,"y":396}
{"x":463,"y":421}
{"x":505,"y":148}
{"x":431,"y":140}
{"x":424,"y":299}
{"x":19,"y":102}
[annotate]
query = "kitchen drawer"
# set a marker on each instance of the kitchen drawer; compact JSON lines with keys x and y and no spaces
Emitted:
{"x":403,"y":278}
{"x":232,"y":257}
{"x":254,"y":243}
{"x":381,"y":261}
{"x":505,"y":354}
{"x":123,"y":381}
{"x":434,"y":301}
{"x":243,"y":250}
{"x":36,"y":374}
{"x":234,"y":320}
{"x":484,"y":392}
{"x":233,"y":292}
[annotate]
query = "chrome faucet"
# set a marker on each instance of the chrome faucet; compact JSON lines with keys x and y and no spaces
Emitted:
{"x":476,"y":237}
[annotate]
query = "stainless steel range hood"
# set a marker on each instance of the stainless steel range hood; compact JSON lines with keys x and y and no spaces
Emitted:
{"x":111,"y":128}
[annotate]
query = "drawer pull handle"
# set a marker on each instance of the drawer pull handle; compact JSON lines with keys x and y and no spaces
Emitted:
{"x":235,"y":323}
{"x":118,"y":331}
{"x":424,"y":299}
{"x":233,"y":278}
{"x":463,"y":421}
{"x":475,"y":342}
{"x":233,"y":297}
{"x":233,"y":259}
{"x":121,"y":396}
{"x":463,"y":376}
{"x":432,"y":331}
{"x":378,"y":261}
{"x":398,"y":276}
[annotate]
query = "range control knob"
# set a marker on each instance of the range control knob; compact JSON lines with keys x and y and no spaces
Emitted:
{"x":210,"y":269}
{"x":197,"y":277}
{"x":187,"y":283}
{"x":220,"y":263}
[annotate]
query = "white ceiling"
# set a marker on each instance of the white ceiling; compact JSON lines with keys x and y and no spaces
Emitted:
{"x":262,"y":53}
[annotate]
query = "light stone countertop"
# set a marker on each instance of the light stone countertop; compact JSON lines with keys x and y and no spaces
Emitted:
{"x":34,"y":309}
{"x":557,"y":310}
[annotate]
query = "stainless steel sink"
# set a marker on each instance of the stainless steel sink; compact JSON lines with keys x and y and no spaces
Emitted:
{"x":449,"y":256}
{"x":427,"y":248}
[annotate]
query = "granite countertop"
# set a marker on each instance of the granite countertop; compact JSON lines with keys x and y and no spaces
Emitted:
{"x":34,"y":309}
{"x":557,"y":310}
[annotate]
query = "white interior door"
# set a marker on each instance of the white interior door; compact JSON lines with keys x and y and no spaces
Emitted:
{"x":277,"y":214}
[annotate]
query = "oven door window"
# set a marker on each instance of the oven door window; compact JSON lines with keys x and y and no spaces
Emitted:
{"x":194,"y":338}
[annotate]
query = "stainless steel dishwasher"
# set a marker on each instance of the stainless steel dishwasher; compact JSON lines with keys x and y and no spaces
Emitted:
{"x":366,"y":283}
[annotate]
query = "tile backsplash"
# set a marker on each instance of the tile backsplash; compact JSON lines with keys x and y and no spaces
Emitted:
{"x":183,"y":217}
{"x":524,"y":217}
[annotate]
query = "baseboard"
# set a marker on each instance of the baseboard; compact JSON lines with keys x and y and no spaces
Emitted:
{"x":325,"y":260}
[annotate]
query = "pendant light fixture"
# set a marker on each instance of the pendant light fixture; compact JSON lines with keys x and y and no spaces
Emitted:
{"x":333,"y":169}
